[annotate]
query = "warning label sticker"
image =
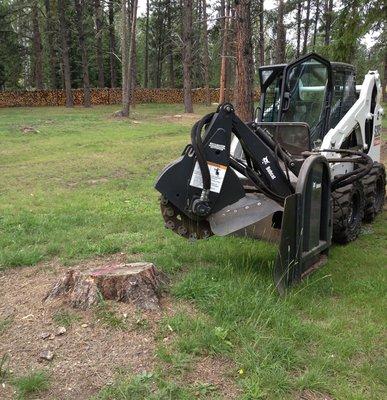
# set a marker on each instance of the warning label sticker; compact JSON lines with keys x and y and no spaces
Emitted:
{"x":217,"y":173}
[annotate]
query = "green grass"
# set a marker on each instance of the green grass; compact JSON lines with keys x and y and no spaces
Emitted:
{"x":109,"y":317}
{"x":83,"y":186}
{"x":4,"y":367}
{"x":4,"y":324}
{"x":154,"y":386}
{"x":31,"y":384}
{"x":65,"y":318}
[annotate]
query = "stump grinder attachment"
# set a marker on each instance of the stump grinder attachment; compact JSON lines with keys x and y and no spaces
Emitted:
{"x":287,"y":177}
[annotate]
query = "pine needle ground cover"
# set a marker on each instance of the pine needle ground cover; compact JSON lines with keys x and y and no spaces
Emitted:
{"x":76,"y":184}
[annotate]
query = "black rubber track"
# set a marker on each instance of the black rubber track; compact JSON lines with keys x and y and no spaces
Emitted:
{"x":374,"y":191}
{"x":348,"y":212}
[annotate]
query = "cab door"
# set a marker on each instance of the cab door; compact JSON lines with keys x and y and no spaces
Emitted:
{"x":306,"y":94}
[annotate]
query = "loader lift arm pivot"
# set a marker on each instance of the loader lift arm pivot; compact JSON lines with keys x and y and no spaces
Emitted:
{"x":262,"y":166}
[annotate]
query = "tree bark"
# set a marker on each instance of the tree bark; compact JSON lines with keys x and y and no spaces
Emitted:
{"x":146,"y":55}
{"x":137,"y":283}
{"x":112,"y":46}
{"x":328,"y":21}
{"x":231,"y":68}
{"x":98,"y":35}
{"x":261,"y":43}
{"x":159,"y":43}
{"x":306,"y":28}
{"x":133,"y":55}
{"x":299,"y":22}
{"x":317,"y":16}
{"x":225,"y":13}
{"x":125,"y":57}
{"x":65,"y":53}
{"x":187,"y":54}
{"x":281,"y":35}
{"x":37,"y":47}
{"x":50,"y":33}
{"x":170,"y":46}
{"x":79,"y":10}
{"x":244,"y":61}
{"x":206,"y":57}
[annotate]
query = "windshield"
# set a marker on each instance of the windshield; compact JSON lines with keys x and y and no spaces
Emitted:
{"x":306,"y":85}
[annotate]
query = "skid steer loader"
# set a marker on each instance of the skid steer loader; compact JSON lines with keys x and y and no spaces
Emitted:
{"x":305,"y":172}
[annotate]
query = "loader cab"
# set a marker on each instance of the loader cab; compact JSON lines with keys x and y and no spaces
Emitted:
{"x":310,"y":92}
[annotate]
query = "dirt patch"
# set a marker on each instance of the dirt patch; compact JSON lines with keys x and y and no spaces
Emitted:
{"x":312,"y":395}
{"x":90,"y":351}
{"x":28,"y":130}
{"x":88,"y":355}
{"x":182,"y":118}
{"x":215,"y":371}
{"x":118,"y":174}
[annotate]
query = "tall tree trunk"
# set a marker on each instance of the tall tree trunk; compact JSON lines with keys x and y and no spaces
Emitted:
{"x":98,"y":34}
{"x":170,"y":46}
{"x":206,"y":57}
{"x":160,"y":42}
{"x":187,"y":54}
{"x":79,"y":9}
{"x":261,"y":43}
{"x":133,"y":75}
{"x":133,"y":55}
{"x":328,"y":8}
{"x":131,"y":62}
{"x":125,"y":57}
{"x":50,"y":33}
{"x":299,"y":22}
{"x":231,"y":68}
{"x":317,"y":16}
{"x":37,"y":47}
{"x":112,"y":46}
{"x":146,"y":56}
{"x":244,"y":61}
{"x":281,"y":35}
{"x":225,"y":14}
{"x":65,"y":52}
{"x":306,"y":28}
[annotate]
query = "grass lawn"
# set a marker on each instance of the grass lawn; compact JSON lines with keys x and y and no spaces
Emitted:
{"x":83,"y":186}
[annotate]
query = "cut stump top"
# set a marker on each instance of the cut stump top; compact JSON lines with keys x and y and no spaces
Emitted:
{"x":120,"y":269}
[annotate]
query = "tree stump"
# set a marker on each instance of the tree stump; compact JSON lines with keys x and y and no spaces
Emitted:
{"x":138,"y":283}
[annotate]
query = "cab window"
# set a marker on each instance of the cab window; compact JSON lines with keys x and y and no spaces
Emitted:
{"x":272,"y":97}
{"x":306,"y":87}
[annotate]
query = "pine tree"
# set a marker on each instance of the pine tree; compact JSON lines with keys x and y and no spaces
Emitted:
{"x":186,"y":13}
{"x":243,"y":91}
{"x":65,"y":52}
{"x":79,"y":10}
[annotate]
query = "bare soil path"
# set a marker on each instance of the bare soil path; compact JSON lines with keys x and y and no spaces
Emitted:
{"x":88,"y":354}
{"x":94,"y":347}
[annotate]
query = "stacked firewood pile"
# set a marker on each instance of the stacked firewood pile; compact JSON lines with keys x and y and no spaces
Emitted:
{"x":38,"y":98}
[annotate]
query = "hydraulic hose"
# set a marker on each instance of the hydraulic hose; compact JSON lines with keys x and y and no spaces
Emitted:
{"x":197,"y":144}
{"x":350,"y":177}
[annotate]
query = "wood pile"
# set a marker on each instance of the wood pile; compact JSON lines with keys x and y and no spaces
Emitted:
{"x":39,"y":98}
